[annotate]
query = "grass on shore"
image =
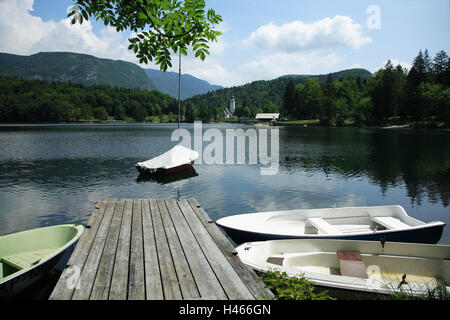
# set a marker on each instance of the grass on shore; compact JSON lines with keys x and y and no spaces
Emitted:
{"x":299,"y":288}
{"x":292,"y":288}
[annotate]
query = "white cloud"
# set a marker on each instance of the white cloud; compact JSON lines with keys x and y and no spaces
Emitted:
{"x":25,"y":34}
{"x":279,"y":64}
{"x":298,"y":47}
{"x":264,"y":67}
{"x":209,"y":70}
{"x":19,"y":29}
{"x":297,"y":36}
{"x":395,"y":62}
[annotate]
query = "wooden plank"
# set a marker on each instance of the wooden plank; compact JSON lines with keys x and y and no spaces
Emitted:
{"x":207,"y":283}
{"x":136,"y":280}
{"x":352,"y":265}
{"x":169,"y":279}
{"x":153,"y":284}
{"x":248,"y":276}
{"x":102,"y":282}
{"x":229,"y":279}
{"x":185,"y":279}
{"x":66,"y":284}
{"x":119,"y":281}
{"x":156,"y":249}
{"x":89,"y":270}
{"x":220,"y":239}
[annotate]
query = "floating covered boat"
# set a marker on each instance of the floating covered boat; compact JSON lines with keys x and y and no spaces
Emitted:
{"x":27,"y":256}
{"x":390,"y":223}
{"x":356,"y":266}
{"x":176,"y":159}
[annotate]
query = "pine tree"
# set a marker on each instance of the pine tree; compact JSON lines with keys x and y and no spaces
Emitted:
{"x":428,"y":65}
{"x":329,"y":103}
{"x":416,"y":76}
{"x":289,"y":99}
{"x":441,"y":68}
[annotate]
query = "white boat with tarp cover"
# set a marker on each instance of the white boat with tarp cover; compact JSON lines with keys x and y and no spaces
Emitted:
{"x":176,"y":159}
{"x":388,"y":223}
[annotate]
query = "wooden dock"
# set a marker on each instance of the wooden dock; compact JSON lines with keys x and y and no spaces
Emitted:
{"x":155,"y":249}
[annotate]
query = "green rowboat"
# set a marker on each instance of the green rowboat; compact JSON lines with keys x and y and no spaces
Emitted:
{"x":28,"y":255}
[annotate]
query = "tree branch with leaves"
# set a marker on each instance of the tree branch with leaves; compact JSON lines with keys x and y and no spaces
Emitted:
{"x":159,"y":26}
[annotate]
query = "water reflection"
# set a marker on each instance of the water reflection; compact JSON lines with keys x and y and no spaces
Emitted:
{"x":168,"y":178}
{"x":388,"y":158}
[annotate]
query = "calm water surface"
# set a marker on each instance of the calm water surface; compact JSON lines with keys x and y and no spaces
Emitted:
{"x":53,"y":174}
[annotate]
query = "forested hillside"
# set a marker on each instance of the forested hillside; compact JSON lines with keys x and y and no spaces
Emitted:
{"x":43,"y":101}
{"x":393,"y":95}
{"x":258,"y":96}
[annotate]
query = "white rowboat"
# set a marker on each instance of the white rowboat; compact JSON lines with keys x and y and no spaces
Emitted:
{"x":176,"y":159}
{"x":389,"y":223}
{"x":365,"y":266}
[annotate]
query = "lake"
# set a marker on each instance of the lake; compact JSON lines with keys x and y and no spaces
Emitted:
{"x":55,"y":173}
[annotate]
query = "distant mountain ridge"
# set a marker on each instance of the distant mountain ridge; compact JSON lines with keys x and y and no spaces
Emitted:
{"x":363,"y":74}
{"x":167,"y":82}
{"x":89,"y":70}
{"x":75,"y":67}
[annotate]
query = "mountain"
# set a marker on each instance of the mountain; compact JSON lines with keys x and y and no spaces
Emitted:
{"x":363,"y":74}
{"x":167,"y":82}
{"x":75,"y":67}
{"x":264,"y":92}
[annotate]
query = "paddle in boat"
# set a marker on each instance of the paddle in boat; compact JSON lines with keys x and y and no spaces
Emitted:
{"x":177,"y":159}
{"x":390,"y":223}
{"x":27,"y":256}
{"x":353,"y":265}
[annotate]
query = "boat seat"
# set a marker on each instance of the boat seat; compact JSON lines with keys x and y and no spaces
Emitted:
{"x":353,"y":228}
{"x":323,"y":226}
{"x":25,"y":260}
{"x":390,"y":222}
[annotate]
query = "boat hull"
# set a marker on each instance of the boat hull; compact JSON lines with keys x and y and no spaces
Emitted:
{"x":161,"y":171}
{"x":427,"y":234}
{"x":19,"y":284}
{"x":48,"y":247}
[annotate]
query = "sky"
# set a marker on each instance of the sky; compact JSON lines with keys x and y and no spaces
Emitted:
{"x":261,"y":40}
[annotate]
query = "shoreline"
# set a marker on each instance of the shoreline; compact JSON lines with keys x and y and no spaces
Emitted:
{"x":261,"y":124}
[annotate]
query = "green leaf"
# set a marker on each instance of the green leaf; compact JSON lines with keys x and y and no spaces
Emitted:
{"x":165,"y":24}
